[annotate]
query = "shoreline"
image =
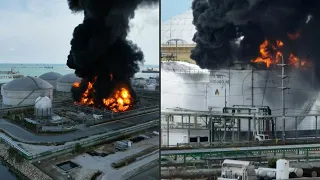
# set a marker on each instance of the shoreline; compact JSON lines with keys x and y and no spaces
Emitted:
{"x":24,"y":170}
{"x":13,"y":170}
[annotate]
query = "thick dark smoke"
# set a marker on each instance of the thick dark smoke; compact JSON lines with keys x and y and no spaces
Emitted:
{"x":220,"y":23}
{"x":99,"y":47}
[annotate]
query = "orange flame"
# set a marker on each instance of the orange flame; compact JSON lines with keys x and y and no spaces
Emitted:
{"x":120,"y":100}
{"x":268,"y":57}
{"x":76,"y":84}
{"x":296,"y":62}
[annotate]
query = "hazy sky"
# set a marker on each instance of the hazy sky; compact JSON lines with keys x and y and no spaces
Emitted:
{"x":39,"y":31}
{"x":170,"y":8}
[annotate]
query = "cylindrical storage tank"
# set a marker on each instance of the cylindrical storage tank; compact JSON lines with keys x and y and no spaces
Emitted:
{"x":43,"y":106}
{"x":282,"y":169}
{"x":64,"y":83}
{"x":295,"y":172}
{"x":51,"y":77}
{"x":261,"y":173}
{"x":152,"y":81}
{"x":2,"y":88}
{"x":140,"y":83}
{"x":150,"y":87}
{"x":24,"y":91}
{"x":309,"y":172}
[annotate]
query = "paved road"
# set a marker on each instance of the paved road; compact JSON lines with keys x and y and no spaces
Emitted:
{"x":151,"y":174}
{"x":28,"y":137}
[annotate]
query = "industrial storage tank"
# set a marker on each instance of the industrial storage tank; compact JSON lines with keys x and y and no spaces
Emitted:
{"x":282,"y":169}
{"x":51,"y":77}
{"x":185,"y":83}
{"x":240,"y":84}
{"x":150,"y":87}
{"x":43,"y":106}
{"x":139,"y":82}
{"x":64,"y":83}
{"x":24,"y":91}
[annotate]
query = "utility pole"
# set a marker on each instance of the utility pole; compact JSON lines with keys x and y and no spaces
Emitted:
{"x":252,"y":102}
{"x":283,"y":88}
{"x":206,"y":95}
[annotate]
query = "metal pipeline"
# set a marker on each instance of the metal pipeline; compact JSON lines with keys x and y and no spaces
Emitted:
{"x":187,"y":174}
{"x":271,"y":172}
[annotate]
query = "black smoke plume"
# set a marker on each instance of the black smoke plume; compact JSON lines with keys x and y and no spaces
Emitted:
{"x":220,"y":23}
{"x":100,"y":52}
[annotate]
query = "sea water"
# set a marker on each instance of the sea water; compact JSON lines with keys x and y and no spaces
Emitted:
{"x":39,"y":69}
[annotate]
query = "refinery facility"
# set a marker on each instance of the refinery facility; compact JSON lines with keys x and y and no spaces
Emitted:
{"x":232,"y":122}
{"x":63,"y":138}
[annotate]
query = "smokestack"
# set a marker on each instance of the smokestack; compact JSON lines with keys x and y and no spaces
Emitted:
{"x":220,"y":24}
{"x":100,"y":53}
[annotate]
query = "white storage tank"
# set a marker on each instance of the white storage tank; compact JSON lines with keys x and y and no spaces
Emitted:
{"x":43,"y":106}
{"x":282,"y":169}
{"x":51,"y":77}
{"x":150,"y":87}
{"x":152,"y":81}
{"x":24,"y":91}
{"x":64,"y":83}
{"x":2,"y":88}
{"x":139,"y":82}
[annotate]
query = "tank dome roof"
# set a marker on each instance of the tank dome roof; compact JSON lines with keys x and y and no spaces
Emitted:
{"x":50,"y":76}
{"x":27,"y":83}
{"x":69,"y":78}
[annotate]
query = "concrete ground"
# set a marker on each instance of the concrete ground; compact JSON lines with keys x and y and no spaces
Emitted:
{"x":90,"y":164}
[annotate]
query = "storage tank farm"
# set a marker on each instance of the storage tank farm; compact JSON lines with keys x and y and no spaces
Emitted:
{"x":242,"y":84}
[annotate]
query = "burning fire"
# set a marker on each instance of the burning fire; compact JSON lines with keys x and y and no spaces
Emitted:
{"x":120,"y":100}
{"x":266,"y":56}
{"x":271,"y":54}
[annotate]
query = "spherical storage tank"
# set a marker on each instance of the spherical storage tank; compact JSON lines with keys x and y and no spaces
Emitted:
{"x":43,"y":106}
{"x":51,"y":77}
{"x":64,"y":83}
{"x":24,"y":91}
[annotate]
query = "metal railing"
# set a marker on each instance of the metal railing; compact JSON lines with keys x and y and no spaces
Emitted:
{"x":186,"y":71}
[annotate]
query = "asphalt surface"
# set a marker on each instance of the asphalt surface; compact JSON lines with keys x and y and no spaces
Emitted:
{"x":151,"y":174}
{"x":28,"y":137}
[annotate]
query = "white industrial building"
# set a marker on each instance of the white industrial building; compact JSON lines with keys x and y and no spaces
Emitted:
{"x":64,"y":83}
{"x":179,"y":133}
{"x":43,"y":106}
{"x":24,"y":91}
{"x":51,"y":77}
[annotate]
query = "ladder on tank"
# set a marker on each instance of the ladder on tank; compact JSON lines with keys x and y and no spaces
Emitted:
{"x":305,"y":112}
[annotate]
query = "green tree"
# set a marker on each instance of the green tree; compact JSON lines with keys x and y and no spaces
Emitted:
{"x":78,"y":148}
{"x":272,"y":163}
